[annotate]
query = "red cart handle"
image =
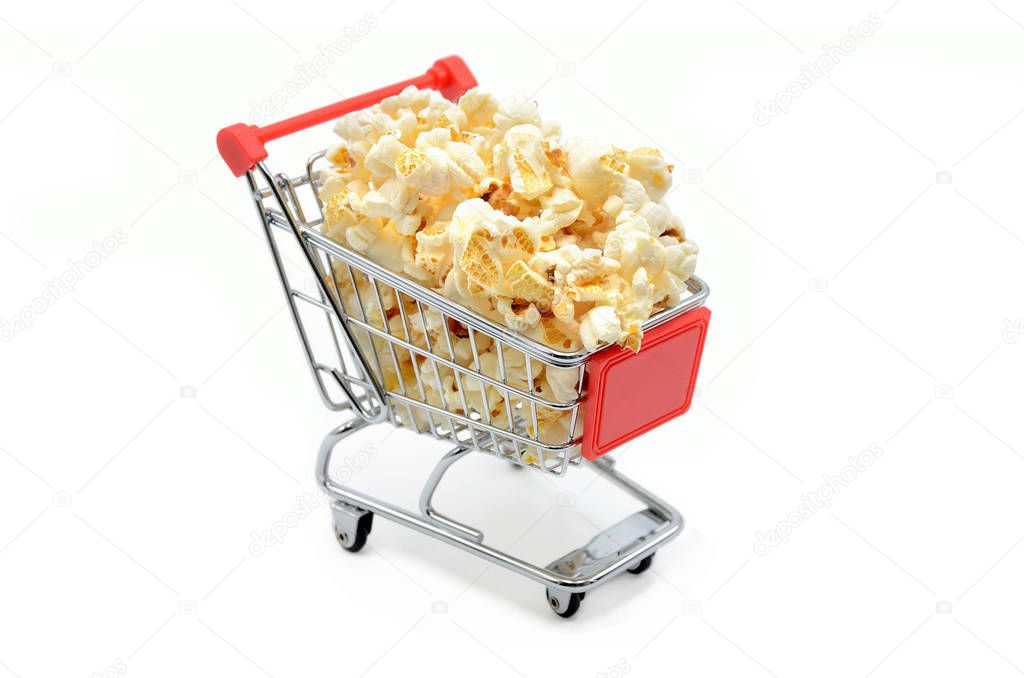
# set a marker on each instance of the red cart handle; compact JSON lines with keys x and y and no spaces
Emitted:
{"x":242,"y":146}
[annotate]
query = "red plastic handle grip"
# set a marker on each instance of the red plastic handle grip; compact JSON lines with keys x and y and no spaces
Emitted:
{"x":242,"y":145}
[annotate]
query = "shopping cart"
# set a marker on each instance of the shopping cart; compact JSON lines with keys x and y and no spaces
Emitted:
{"x":374,"y":319}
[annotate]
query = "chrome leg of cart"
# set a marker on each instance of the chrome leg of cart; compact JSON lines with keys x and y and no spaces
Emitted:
{"x":627,"y":546}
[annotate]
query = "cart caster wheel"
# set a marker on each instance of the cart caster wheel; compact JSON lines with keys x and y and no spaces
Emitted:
{"x":355,"y":542}
{"x":565,"y":606}
{"x":643,"y":565}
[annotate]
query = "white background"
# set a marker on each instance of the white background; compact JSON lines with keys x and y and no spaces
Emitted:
{"x":159,"y":414}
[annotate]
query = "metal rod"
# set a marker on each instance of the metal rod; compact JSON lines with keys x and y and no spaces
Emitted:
{"x":427,"y":508}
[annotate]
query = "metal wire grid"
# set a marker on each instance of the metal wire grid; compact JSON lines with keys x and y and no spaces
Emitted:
{"x":375,"y":331}
{"x":378,"y":324}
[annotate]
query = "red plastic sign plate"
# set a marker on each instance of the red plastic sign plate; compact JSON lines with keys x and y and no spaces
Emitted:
{"x":631,"y":393}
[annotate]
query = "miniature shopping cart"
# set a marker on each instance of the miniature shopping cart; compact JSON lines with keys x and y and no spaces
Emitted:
{"x":618,"y":394}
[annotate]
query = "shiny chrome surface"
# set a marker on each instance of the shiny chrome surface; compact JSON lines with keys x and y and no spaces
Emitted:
{"x":347,"y":370}
{"x":608,"y":554}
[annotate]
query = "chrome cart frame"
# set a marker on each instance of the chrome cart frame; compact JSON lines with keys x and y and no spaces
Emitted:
{"x":379,"y":365}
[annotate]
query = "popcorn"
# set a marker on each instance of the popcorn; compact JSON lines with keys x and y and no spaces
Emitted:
{"x":519,"y":317}
{"x":525,"y":283}
{"x":382,"y":156}
{"x":433,"y":251}
{"x":561,"y":208}
{"x":599,"y":325}
{"x":520,"y":157}
{"x":478,"y":262}
{"x":562,"y":335}
{"x":636,"y":308}
{"x":514,"y":111}
{"x":394,"y":201}
{"x":567,"y":243}
{"x":647,"y":166}
{"x":363,"y":234}
{"x":596,"y":171}
{"x":424,"y":170}
{"x":561,"y":384}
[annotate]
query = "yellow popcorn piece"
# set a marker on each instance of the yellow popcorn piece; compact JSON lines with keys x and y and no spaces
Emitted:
{"x":562,"y":306}
{"x":424,"y":169}
{"x":459,"y":287}
{"x":382,"y":156}
{"x":613,"y":206}
{"x":479,"y":107}
{"x":590,"y":267}
{"x":593,"y":292}
{"x":659,"y":219}
{"x":391,"y":249}
{"x":477,"y":262}
{"x":560,"y":209}
{"x":615,"y":160}
{"x":482,"y":397}
{"x":394,"y":201}
{"x":527,"y":180}
{"x":561,"y":385}
{"x":337,"y":212}
{"x":546,"y":417}
{"x":635,"y":309}
{"x":464,"y":161}
{"x":409,"y":162}
{"x":513,"y":111}
{"x":553,"y":334}
{"x":519,"y":316}
{"x":409,"y":99}
{"x":362,"y":235}
{"x":599,"y":326}
{"x":520,"y":157}
{"x":339,"y":156}
{"x":634,"y":199}
{"x":554,"y":265}
{"x":433,"y":251}
{"x":526,"y":284}
{"x":517,"y":243}
{"x":635,"y":249}
{"x":596,"y":171}
{"x":556,"y":157}
{"x":650,"y":168}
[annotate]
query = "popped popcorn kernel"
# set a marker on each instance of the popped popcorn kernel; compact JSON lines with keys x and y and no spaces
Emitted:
{"x":478,"y":263}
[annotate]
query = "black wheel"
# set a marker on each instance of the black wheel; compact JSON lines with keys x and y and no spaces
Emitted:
{"x":643,"y":565}
{"x":570,"y":608}
{"x":355,"y":542}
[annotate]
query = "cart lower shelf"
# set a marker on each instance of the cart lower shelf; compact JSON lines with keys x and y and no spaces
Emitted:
{"x":627,"y":546}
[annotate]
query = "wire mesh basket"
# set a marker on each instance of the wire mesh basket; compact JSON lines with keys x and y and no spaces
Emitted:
{"x":474,"y":383}
{"x":392,"y":350}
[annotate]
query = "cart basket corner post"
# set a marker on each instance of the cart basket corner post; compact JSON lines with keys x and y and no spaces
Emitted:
{"x":353,"y":343}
